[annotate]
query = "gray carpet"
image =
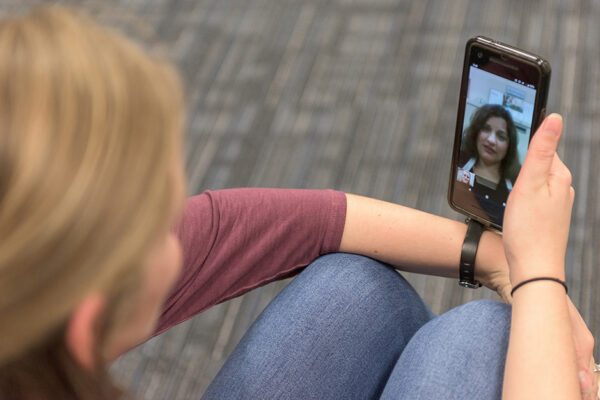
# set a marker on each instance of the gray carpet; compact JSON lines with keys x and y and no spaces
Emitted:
{"x":359,"y":96}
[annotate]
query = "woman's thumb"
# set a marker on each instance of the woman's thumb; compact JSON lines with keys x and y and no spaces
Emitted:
{"x":542,"y":148}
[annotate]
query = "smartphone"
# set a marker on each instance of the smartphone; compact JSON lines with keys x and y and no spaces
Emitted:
{"x":502,"y":101}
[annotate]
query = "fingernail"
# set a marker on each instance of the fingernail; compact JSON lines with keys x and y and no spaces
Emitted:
{"x":554,"y":115}
{"x":584,"y":380}
{"x":553,"y":124}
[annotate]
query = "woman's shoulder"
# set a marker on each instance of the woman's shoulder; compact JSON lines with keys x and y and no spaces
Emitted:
{"x":466,"y":162}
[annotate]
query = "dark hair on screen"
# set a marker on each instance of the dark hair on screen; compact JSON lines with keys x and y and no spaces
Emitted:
{"x":510,"y":165}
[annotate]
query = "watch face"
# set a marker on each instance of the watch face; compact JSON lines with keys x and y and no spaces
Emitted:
{"x":469,"y":285}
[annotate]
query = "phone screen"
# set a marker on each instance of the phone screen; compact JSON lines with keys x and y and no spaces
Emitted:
{"x":497,"y":122}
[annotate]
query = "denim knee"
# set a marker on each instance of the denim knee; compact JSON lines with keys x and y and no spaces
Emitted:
{"x":347,"y":270}
{"x":466,"y":344}
{"x":356,"y":279}
{"x":344,"y":312}
{"x":472,"y":327}
{"x":484,"y":317}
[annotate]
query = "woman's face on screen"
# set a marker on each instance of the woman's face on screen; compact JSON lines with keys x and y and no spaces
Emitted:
{"x":493,"y":141}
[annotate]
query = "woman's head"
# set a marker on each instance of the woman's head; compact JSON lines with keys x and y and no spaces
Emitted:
{"x":91,"y":181}
{"x":492,"y":137}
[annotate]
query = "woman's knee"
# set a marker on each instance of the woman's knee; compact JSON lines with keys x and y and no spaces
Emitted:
{"x":355,"y":279}
{"x":352,"y":293}
{"x":474,"y":333}
{"x":465,"y":344}
{"x":483,"y":317}
{"x":472,"y":326}
{"x":348,"y":270}
{"x":343,"y":312}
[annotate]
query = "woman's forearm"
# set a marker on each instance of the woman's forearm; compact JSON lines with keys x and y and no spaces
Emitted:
{"x":412,"y":240}
{"x":541,"y":362}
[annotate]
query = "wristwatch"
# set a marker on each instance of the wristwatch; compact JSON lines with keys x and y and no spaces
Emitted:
{"x":468,"y":253}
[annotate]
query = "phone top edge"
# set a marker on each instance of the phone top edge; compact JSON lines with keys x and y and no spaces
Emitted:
{"x":545,"y":67}
{"x":495,"y":44}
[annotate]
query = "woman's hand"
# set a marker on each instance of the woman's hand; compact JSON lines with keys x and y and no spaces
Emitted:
{"x":538,"y":210}
{"x":542,"y":358}
{"x":584,"y":347}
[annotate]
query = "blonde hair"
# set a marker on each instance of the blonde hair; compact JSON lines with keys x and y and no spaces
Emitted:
{"x":89,"y":128}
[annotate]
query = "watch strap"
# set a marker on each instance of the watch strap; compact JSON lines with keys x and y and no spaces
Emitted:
{"x":468,"y":253}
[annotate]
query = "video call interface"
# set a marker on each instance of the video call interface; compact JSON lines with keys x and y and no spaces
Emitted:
{"x":496,"y":129}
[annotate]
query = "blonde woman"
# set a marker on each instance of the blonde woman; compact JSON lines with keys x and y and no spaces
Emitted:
{"x":99,"y":250}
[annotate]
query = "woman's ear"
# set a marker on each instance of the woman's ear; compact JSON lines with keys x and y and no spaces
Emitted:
{"x":80,"y":335}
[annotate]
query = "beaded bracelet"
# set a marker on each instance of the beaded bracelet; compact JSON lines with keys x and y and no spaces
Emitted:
{"x":542,"y":278}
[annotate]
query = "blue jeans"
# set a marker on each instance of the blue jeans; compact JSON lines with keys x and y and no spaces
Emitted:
{"x":349,"y":327}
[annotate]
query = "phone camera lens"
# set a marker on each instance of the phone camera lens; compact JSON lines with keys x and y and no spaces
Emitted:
{"x":480,"y":54}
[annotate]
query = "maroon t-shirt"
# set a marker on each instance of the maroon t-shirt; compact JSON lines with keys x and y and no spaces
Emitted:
{"x":235,"y":240}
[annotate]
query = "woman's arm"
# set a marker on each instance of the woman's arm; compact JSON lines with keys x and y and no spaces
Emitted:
{"x":541,"y":361}
{"x":418,"y":242}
